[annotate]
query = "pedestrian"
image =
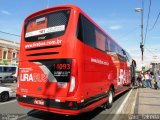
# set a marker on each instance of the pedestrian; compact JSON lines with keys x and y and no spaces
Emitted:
{"x":157,"y":81}
{"x":144,"y":84}
{"x":150,"y":79}
{"x":147,"y":76}
{"x":133,"y":82}
{"x":139,"y":79}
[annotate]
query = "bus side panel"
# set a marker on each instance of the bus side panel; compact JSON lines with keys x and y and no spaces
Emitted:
{"x":99,"y":72}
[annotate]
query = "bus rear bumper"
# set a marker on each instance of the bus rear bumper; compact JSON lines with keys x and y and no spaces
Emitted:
{"x":67,"y":108}
{"x":54,"y":110}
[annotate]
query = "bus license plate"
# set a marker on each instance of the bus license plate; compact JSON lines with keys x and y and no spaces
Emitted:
{"x":39,"y":102}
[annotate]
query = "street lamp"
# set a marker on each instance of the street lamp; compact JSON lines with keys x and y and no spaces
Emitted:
{"x":142,"y":42}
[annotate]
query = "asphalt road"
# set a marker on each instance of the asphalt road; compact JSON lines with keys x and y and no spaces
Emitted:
{"x":11,"y":109}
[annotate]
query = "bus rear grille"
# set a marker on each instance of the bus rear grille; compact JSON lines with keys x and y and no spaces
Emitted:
{"x":39,"y":54}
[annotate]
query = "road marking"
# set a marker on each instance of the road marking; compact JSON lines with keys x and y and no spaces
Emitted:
{"x":121,"y":107}
{"x":134,"y":103}
{"x":7,"y":102}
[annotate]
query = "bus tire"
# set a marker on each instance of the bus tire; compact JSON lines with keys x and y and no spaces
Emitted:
{"x":110,"y":99}
{"x":4,"y":96}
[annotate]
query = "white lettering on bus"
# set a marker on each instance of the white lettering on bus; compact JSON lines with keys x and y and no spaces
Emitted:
{"x":98,"y":61}
{"x":36,"y":77}
{"x":26,"y":77}
{"x":122,"y":77}
{"x":41,"y":44}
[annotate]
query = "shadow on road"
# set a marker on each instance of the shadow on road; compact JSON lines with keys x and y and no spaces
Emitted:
{"x":52,"y":116}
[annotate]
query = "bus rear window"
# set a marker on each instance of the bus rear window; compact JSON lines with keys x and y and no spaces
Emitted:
{"x":47,"y":26}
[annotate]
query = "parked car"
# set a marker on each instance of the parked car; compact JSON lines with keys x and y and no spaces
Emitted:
{"x":5,"y":94}
{"x":12,"y":79}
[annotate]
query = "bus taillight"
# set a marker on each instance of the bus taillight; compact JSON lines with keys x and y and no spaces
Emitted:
{"x":73,"y":78}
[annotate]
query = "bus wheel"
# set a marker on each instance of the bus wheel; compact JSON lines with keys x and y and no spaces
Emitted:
{"x":4,"y":96}
{"x":110,"y":99}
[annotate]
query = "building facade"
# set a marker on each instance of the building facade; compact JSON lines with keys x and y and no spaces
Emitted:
{"x":9,"y":52}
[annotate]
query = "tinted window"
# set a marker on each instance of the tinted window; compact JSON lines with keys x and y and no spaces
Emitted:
{"x":79,"y":32}
{"x":112,"y":46}
{"x":120,"y":52}
{"x":1,"y":69}
{"x":106,"y":44}
{"x":88,"y":32}
{"x":9,"y":69}
{"x":100,"y":39}
{"x":91,"y":35}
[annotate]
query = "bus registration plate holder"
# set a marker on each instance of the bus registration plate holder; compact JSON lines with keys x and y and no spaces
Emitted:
{"x":39,"y":102}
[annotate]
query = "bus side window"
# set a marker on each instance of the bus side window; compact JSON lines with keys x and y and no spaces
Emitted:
{"x":107,"y":45}
{"x":79,"y":32}
{"x":100,"y":40}
{"x":120,"y":52}
{"x":112,"y":46}
{"x":88,"y":32}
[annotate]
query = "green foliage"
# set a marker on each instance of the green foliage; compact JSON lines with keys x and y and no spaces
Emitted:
{"x":4,"y":62}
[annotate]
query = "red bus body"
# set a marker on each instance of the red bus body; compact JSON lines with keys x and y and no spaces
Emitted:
{"x":63,"y":73}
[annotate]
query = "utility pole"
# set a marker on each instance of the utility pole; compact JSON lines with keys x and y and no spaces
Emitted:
{"x":142,"y":41}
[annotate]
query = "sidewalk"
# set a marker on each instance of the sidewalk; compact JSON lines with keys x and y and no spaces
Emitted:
{"x":142,"y":104}
{"x":147,"y":101}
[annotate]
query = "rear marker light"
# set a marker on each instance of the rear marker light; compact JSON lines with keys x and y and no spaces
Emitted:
{"x":82,"y":101}
{"x":57,"y":100}
{"x":73,"y":78}
{"x":70,"y":104}
{"x":24,"y":95}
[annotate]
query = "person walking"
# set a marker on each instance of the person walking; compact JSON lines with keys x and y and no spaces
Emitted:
{"x":157,"y":81}
{"x":150,"y":79}
{"x":139,"y":79}
{"x":144,"y":84}
{"x":147,"y":80}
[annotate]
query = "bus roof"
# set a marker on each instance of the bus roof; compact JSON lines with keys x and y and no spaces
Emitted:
{"x":47,"y":10}
{"x":68,"y":6}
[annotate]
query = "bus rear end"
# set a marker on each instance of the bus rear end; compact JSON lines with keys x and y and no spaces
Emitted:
{"x":48,"y":75}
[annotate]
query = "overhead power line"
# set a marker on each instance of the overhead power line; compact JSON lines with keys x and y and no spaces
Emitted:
{"x":155,"y":22}
{"x":150,"y":3}
{"x":9,"y":33}
{"x":149,"y":51}
{"x":128,"y":33}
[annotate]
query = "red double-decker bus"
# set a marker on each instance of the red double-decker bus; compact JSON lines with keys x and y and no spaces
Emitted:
{"x":68,"y":64}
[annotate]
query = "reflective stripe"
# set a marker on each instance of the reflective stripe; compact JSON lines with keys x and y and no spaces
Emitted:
{"x":45,"y":70}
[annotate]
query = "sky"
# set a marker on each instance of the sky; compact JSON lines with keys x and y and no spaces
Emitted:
{"x":116,"y":17}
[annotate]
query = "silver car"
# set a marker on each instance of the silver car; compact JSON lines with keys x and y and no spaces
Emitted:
{"x":5,"y":94}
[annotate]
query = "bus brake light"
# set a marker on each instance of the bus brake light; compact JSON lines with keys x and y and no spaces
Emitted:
{"x":73,"y":79}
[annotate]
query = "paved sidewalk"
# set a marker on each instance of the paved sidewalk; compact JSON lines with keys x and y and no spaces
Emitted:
{"x":142,"y":104}
{"x":147,"y":101}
